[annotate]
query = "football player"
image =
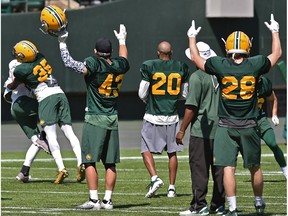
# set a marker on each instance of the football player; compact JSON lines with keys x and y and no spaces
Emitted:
{"x":265,"y":93}
{"x":24,"y":109}
{"x":164,"y":83}
{"x":238,"y":76}
{"x":103,"y":76}
{"x":36,"y":73}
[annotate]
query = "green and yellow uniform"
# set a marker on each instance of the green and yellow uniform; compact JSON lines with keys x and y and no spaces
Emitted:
{"x":100,"y":138}
{"x":238,"y":109}
{"x":266,"y":131}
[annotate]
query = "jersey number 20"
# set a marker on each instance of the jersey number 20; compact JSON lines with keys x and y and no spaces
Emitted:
{"x":169,"y":80}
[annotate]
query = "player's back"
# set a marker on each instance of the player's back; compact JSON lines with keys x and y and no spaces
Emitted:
{"x":165,"y":77}
{"x":103,"y":82}
{"x":238,"y":84}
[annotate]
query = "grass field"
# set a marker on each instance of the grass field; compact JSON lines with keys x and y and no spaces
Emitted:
{"x":42,"y":197}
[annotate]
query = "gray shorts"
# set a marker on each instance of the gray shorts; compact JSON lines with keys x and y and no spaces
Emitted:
{"x":156,"y":138}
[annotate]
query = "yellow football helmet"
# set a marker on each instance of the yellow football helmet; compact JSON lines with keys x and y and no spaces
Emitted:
{"x":238,"y":42}
{"x":53,"y":20}
{"x":25,"y":51}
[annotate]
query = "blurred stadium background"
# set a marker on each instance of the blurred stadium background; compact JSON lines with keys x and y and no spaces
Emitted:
{"x":148,"y":22}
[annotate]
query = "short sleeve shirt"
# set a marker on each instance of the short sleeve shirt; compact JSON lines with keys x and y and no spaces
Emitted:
{"x":238,"y":84}
{"x":103,"y":82}
{"x":165,"y":78}
{"x":203,"y":94}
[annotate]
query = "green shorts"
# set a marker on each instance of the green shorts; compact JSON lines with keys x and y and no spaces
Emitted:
{"x":229,"y":142}
{"x":99,"y":144}
{"x":263,"y":125}
{"x":54,"y":109}
{"x":25,"y":111}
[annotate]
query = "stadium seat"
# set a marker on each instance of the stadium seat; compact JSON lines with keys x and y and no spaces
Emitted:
{"x":6,"y":6}
{"x":29,"y":5}
{"x":35,"y":5}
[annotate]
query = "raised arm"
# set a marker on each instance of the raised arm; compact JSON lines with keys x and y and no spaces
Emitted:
{"x":195,"y":56}
{"x":68,"y":61}
{"x":121,"y":36}
{"x":276,"y":45}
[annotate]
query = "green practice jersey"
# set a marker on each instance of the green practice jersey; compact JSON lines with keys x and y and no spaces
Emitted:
{"x":238,"y":84}
{"x":33,"y":73}
{"x":103,"y":82}
{"x":203,"y":94}
{"x":165,"y":78}
{"x":264,"y":90}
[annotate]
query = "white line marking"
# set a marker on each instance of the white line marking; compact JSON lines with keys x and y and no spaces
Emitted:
{"x":121,"y":158}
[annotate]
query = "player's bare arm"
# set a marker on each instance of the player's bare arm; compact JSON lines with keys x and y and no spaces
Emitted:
{"x":274,"y":107}
{"x":13,"y":85}
{"x":190,"y":112}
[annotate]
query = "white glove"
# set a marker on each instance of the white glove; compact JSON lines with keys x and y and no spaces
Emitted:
{"x":275,"y":120}
{"x":121,"y":36}
{"x":193,"y":32}
{"x":63,"y":35}
{"x":274,"y":26}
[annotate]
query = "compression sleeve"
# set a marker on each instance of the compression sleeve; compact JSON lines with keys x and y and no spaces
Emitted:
{"x":143,"y":91}
{"x":69,"y":62}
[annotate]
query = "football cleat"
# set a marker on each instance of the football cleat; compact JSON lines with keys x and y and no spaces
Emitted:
{"x":21,"y":177}
{"x":42,"y":142}
{"x":25,"y":51}
{"x":80,"y":173}
{"x":153,"y":187}
{"x":171,"y":192}
{"x":61,"y":176}
{"x":107,"y":204}
{"x":53,"y":20}
{"x":90,"y":205}
{"x":238,"y":42}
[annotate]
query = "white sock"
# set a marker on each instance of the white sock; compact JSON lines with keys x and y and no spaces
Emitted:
{"x":74,"y":142}
{"x":153,"y":178}
{"x":231,"y":203}
{"x":31,"y":155}
{"x":108,"y":195}
{"x":58,"y":159}
{"x":93,"y":194}
{"x":171,"y":187}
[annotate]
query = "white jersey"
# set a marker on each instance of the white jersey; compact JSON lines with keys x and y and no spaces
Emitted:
{"x":21,"y":90}
{"x":42,"y":91}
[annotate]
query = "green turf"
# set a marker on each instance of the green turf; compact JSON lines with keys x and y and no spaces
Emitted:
{"x":42,"y":197}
